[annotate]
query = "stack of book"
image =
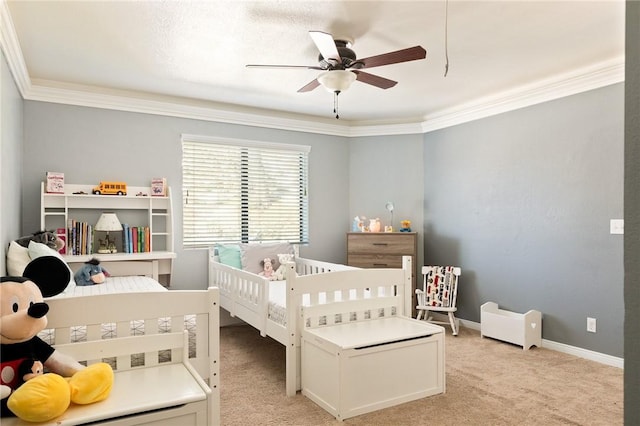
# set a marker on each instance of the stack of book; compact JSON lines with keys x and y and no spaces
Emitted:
{"x":136,"y":239}
{"x":79,"y":238}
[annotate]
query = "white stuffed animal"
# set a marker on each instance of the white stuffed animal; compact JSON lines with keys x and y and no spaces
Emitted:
{"x":282,"y":259}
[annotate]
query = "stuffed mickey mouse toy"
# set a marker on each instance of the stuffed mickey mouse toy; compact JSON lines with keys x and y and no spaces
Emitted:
{"x":26,"y":390}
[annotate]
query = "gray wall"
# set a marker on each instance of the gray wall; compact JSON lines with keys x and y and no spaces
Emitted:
{"x":10,"y":160}
{"x":522,"y":202}
{"x":632,"y":217}
{"x":382,"y":169}
{"x":90,"y":145}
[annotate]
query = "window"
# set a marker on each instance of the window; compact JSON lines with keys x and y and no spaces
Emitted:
{"x":241,"y":191}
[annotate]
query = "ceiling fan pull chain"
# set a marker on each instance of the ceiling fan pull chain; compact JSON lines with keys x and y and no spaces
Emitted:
{"x":335,"y":103}
{"x":446,"y":48}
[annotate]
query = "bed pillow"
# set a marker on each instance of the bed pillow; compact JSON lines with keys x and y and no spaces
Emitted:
{"x":17,"y":259}
{"x":38,"y":250}
{"x":254,"y":253}
{"x":229,"y":254}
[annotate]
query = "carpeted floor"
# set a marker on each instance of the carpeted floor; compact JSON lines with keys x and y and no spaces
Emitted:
{"x":487,"y":383}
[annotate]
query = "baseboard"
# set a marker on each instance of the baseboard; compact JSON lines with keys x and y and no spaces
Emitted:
{"x":568,"y":349}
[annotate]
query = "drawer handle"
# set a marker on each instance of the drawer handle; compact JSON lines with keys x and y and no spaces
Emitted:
{"x":379,"y":244}
{"x":379,"y":264}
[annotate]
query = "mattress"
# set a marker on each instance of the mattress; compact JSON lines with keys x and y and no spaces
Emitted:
{"x":127,"y":284}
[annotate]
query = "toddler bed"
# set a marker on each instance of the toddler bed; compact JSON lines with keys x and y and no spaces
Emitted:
{"x":272,"y":307}
{"x":150,"y":387}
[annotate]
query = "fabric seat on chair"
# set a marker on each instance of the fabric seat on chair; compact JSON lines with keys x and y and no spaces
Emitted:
{"x":439,"y":293}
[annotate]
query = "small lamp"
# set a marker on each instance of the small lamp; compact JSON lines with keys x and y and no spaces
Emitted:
{"x":108,"y":222}
{"x":389,"y":206}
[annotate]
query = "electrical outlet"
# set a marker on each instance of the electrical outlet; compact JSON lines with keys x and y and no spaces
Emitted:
{"x":591,"y":324}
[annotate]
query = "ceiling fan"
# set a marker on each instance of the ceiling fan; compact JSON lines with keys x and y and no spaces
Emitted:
{"x":342,"y":67}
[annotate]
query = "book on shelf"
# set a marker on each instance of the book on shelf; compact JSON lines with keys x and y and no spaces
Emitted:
{"x":61,"y":233}
{"x":79,"y":238}
{"x":136,"y":239}
{"x":159,"y":187}
{"x":55,"y":182}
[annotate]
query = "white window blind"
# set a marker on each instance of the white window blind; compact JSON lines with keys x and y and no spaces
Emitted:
{"x":241,"y":191}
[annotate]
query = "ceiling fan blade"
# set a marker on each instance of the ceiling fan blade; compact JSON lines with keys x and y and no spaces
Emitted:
{"x":403,"y":55}
{"x":374,"y":80}
{"x":308,"y":67}
{"x":326,"y":45}
{"x":309,"y":86}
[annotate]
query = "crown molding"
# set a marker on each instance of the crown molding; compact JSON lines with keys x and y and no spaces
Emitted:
{"x":593,"y":77}
{"x":571,"y":83}
{"x":12,"y":51}
{"x":47,"y":91}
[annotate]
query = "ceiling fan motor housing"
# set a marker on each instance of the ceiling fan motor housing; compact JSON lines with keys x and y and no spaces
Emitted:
{"x":348,"y":57}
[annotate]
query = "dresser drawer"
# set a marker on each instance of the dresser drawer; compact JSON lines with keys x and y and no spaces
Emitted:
{"x":381,"y":243}
{"x":374,"y":260}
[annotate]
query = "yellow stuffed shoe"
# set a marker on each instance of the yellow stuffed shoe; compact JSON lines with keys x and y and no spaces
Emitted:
{"x":40,"y":399}
{"x":91,"y":384}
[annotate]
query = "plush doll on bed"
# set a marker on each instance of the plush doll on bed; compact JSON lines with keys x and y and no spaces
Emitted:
{"x":90,"y":273}
{"x":26,"y":391}
{"x":47,"y":238}
{"x":282,"y":259}
{"x":267,"y":268}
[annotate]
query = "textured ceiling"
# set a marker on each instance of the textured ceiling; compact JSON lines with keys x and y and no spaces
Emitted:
{"x":197,"y":51}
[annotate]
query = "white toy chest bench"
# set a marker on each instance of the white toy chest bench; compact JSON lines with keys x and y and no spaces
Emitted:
{"x":358,"y":367}
{"x":521,"y":329}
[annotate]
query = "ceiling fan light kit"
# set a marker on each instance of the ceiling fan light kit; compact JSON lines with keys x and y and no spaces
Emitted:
{"x":336,"y":80}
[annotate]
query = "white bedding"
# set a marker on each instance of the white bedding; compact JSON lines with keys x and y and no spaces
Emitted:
{"x":125,"y":284}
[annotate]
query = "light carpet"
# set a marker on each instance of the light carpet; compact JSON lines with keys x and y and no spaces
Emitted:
{"x":488,"y":382}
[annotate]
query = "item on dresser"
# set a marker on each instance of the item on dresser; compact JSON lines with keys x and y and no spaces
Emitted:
{"x":390,"y":207}
{"x":358,"y":224}
{"x":405,"y":226}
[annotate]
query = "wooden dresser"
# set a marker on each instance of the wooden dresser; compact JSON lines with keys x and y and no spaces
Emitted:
{"x":383,"y":250}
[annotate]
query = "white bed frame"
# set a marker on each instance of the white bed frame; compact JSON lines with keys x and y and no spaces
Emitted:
{"x":183,"y":391}
{"x":245,"y":295}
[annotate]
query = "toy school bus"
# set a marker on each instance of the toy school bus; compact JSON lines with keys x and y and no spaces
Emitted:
{"x":110,"y":188}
